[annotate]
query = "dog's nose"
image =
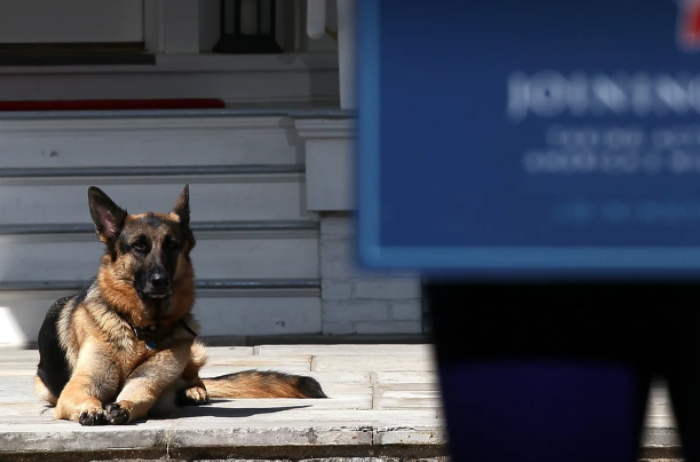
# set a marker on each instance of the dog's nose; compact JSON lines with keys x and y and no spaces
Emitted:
{"x":159,"y":280}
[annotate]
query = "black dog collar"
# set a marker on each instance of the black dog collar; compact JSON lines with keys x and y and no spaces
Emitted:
{"x":149,"y":334}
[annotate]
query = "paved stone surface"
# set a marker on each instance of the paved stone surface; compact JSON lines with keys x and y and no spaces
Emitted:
{"x":361,"y":415}
{"x":382,"y":398}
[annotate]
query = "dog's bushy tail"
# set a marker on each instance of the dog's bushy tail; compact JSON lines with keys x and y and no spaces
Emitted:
{"x":263,"y":384}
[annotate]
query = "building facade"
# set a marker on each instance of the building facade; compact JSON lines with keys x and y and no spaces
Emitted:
{"x":270,"y":173}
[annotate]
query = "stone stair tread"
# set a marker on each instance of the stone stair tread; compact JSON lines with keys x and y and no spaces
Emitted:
{"x":257,"y":110}
{"x":200,"y":284}
{"x":200,"y":226}
{"x":397,"y":349}
{"x":176,"y":170}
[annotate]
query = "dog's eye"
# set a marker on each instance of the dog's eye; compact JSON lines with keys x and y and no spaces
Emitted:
{"x":140,"y":247}
{"x":171,"y":245}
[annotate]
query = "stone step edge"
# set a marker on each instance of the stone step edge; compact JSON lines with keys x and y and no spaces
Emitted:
{"x":287,"y":339}
{"x":249,"y":453}
{"x":375,"y":453}
{"x":312,"y":113}
{"x":176,"y":170}
{"x":315,"y":339}
{"x":201,"y":226}
{"x":201,"y":284}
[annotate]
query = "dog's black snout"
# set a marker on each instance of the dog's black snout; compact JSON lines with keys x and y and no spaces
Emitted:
{"x":157,"y":283}
{"x":159,"y":279}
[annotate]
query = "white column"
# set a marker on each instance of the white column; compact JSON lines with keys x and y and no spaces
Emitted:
{"x":347,"y":31}
{"x":172,"y":26}
{"x":316,"y":27}
{"x":316,"y":19}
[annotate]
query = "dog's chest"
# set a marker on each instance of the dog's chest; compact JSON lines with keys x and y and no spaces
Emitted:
{"x":130,"y":359}
{"x":130,"y":350}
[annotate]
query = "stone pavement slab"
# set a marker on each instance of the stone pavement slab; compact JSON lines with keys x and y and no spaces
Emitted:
{"x":356,"y":420}
{"x":373,"y":363}
{"x":348,"y":350}
{"x":384,"y":402}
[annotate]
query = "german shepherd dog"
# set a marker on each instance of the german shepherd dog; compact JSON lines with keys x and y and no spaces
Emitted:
{"x":125,"y":348}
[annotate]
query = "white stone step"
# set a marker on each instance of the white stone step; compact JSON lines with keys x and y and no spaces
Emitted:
{"x":222,"y":312}
{"x":143,"y":141}
{"x":255,"y":193}
{"x":283,"y":253}
{"x":264,"y":312}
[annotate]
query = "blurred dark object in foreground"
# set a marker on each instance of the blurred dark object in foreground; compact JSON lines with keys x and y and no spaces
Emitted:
{"x":561,"y":372}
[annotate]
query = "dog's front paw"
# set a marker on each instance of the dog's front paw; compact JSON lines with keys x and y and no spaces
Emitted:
{"x":116,"y":414}
{"x":93,"y":416}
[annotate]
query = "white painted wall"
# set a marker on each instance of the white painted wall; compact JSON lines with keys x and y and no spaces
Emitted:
{"x":52,"y":21}
{"x":182,"y":34}
{"x":277,"y":80}
{"x":360,"y":302}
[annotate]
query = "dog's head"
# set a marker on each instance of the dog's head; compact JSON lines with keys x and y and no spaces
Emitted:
{"x":149,"y":251}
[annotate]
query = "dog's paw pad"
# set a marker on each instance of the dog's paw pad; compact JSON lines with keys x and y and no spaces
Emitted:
{"x":117,"y":415}
{"x":91,"y":417}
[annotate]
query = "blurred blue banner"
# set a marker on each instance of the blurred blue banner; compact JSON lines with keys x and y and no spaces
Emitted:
{"x":548,"y":138}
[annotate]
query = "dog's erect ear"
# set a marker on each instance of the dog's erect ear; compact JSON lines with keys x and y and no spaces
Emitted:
{"x":107,"y":216}
{"x":182,"y":210}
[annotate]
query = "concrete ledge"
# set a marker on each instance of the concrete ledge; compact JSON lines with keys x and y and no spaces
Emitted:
{"x":281,"y":454}
{"x":353,"y":422}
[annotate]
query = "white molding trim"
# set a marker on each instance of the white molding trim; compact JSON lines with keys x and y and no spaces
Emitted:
{"x":202,"y":235}
{"x":197,"y":63}
{"x":325,"y":128}
{"x":329,"y":153}
{"x":98,"y":127}
{"x":293,"y":178}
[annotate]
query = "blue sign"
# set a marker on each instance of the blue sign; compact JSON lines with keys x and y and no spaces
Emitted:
{"x":530,"y":138}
